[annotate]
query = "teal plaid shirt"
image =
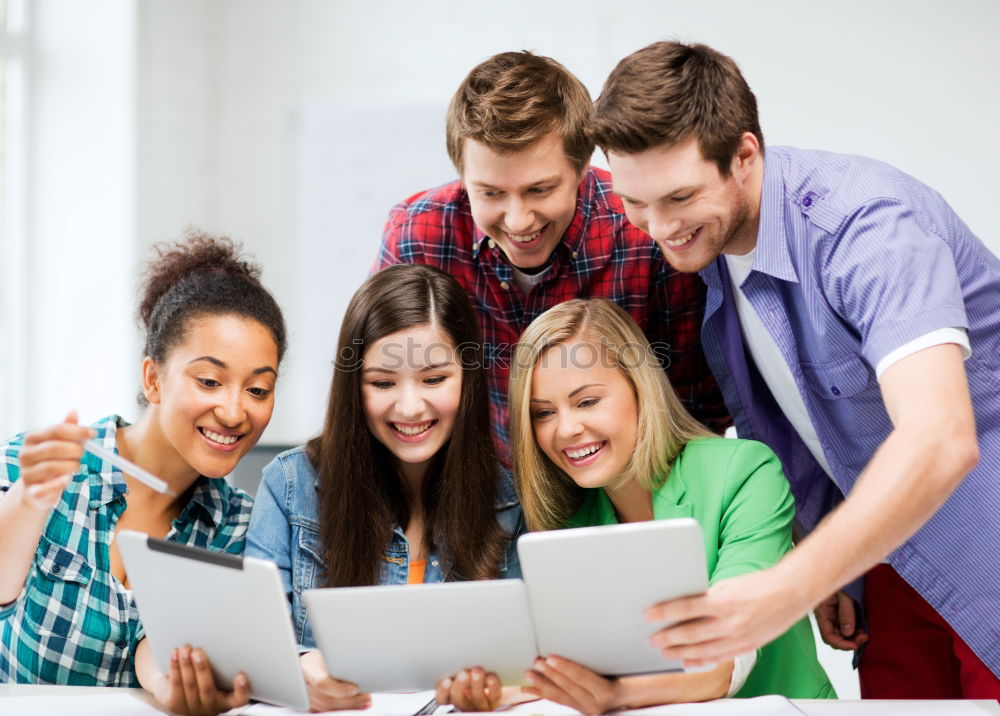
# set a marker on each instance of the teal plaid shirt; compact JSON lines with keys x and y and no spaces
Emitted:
{"x":73,"y":622}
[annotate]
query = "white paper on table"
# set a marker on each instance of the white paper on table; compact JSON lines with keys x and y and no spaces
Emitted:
{"x":539,"y":706}
{"x":112,"y":703}
{"x":895,"y":708}
{"x":382,"y":705}
{"x":760,"y":706}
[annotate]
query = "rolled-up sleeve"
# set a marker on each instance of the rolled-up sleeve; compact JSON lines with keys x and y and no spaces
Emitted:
{"x":891,"y":278}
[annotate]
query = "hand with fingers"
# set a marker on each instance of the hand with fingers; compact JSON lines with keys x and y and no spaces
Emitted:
{"x":327,"y":693}
{"x":836,"y":617}
{"x":568,"y":683}
{"x":734,"y":616}
{"x":48,"y":460}
{"x":189,"y":688}
{"x":470,"y":690}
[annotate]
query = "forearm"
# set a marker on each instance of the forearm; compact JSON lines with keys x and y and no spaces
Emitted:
{"x":908,"y":479}
{"x":21,"y":527}
{"x":146,"y":670}
{"x":652,"y":690}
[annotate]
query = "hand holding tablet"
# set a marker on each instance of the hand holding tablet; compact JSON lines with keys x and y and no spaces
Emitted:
{"x":583,"y":598}
{"x":232,"y":608}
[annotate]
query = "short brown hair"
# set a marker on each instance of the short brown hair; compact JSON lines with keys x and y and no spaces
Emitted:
{"x":512,"y":100}
{"x":669,"y":92}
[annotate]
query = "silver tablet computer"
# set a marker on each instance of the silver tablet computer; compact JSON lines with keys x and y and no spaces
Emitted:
{"x":234,"y":608}
{"x":409,"y":637}
{"x":588,"y":588}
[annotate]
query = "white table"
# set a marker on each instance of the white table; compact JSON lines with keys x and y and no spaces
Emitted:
{"x":143,"y":703}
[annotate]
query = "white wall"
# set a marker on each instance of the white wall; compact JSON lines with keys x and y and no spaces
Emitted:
{"x":907,"y":82}
{"x":78,"y":348}
{"x":295,"y":125}
{"x":150,"y":115}
{"x":326,"y":113}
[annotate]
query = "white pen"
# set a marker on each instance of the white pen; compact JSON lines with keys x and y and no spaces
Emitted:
{"x":129,"y":468}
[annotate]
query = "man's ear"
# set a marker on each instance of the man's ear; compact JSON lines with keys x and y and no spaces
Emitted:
{"x":151,"y":380}
{"x":747,"y":154}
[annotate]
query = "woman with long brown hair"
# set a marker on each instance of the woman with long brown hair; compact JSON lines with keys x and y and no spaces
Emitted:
{"x":403,"y":484}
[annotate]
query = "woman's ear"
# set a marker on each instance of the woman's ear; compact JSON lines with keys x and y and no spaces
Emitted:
{"x":151,"y":380}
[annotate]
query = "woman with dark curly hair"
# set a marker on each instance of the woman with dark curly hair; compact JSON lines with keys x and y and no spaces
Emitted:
{"x":214,"y":341}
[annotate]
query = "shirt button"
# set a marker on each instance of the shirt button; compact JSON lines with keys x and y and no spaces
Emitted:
{"x":575,"y":254}
{"x":56,"y":569}
{"x":807,"y":201}
{"x":122,"y":643}
{"x":492,"y":244}
{"x":835,"y":390}
{"x":434,"y":563}
{"x":505,"y":286}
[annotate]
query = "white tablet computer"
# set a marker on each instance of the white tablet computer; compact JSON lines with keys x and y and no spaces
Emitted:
{"x":232,"y":607}
{"x":588,"y":588}
{"x":409,"y":637}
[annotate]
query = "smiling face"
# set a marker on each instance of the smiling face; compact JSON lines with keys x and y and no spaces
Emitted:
{"x":214,"y":394}
{"x":686,"y":206}
{"x":584,"y":413}
{"x":525,"y":200}
{"x":411,"y":389}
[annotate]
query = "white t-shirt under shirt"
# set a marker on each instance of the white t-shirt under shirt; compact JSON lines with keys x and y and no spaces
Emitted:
{"x":527,"y":281}
{"x":778,"y":376}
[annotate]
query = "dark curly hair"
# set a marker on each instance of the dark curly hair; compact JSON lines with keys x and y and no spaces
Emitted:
{"x":202,"y":275}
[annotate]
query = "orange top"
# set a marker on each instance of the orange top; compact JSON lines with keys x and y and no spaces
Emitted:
{"x":416,"y":573}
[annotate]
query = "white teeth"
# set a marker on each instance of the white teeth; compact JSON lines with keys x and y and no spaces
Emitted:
{"x":577,"y":454}
{"x":221,"y":439}
{"x":412,"y":430}
{"x":681,"y":241}
{"x":525,"y":238}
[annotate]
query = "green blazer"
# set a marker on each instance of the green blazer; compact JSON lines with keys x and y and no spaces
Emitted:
{"x":737,"y":492}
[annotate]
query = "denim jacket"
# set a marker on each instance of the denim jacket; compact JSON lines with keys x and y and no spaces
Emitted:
{"x":284,"y":528}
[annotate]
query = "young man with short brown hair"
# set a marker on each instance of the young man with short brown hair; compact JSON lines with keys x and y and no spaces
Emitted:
{"x":844,"y":298}
{"x":529,"y":224}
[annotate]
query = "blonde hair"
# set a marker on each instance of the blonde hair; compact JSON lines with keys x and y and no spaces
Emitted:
{"x":548,"y":495}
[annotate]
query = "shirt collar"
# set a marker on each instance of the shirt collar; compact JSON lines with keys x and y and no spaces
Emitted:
{"x":106,"y":482}
{"x":206,"y":495}
{"x":598,"y":510}
{"x":773,"y":257}
{"x":668,"y":503}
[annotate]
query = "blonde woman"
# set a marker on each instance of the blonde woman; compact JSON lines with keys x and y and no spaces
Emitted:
{"x":599,"y":437}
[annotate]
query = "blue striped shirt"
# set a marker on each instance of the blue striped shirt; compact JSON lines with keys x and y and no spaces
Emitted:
{"x":74,"y":623}
{"x":855,"y":259}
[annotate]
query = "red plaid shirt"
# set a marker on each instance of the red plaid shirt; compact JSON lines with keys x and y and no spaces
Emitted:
{"x":601,"y":255}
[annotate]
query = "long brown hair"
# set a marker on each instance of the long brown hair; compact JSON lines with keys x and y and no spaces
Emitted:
{"x":360,"y":493}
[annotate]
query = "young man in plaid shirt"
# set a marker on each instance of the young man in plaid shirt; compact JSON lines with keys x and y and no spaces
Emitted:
{"x":529,"y":225}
